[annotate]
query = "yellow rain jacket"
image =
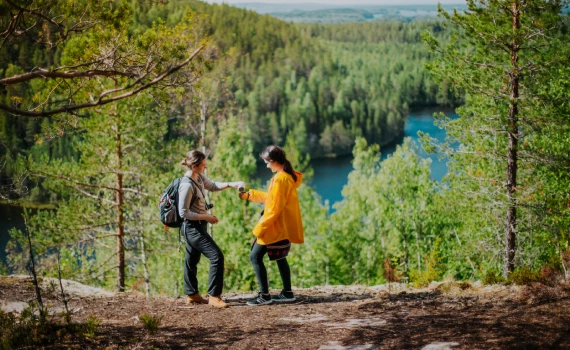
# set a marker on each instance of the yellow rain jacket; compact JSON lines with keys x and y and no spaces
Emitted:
{"x":282,"y":215}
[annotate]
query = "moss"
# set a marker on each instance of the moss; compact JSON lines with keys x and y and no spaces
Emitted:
{"x":493,"y":277}
{"x":524,"y":276}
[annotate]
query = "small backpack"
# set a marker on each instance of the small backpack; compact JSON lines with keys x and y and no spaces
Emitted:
{"x":168,"y":205}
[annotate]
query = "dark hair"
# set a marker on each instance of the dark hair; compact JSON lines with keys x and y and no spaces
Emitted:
{"x":193,"y":158}
{"x":277,"y":154}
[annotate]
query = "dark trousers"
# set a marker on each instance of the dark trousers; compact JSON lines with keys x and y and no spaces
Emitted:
{"x":199,"y":242}
{"x":256,"y":257}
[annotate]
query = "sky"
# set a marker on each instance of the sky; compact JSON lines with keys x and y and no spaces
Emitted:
{"x":344,"y":2}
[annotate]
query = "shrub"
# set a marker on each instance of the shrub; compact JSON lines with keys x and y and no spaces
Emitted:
{"x":89,"y":328}
{"x":432,"y":272}
{"x":453,"y":287}
{"x":524,"y":276}
{"x":493,"y":277}
{"x":30,"y":330}
{"x":150,"y":323}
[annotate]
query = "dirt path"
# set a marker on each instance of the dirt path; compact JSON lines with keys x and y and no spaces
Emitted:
{"x":449,"y":316}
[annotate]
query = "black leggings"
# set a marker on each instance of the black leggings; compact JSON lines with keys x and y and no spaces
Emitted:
{"x":256,"y":257}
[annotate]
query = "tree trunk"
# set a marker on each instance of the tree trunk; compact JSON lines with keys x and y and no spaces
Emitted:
{"x":145,"y":267}
{"x":418,"y":253}
{"x":203,"y":114}
{"x":120,"y":215}
{"x":32,"y":268}
{"x":512,"y":152}
{"x":404,"y":236}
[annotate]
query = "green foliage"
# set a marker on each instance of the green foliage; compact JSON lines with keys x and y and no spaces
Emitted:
{"x":309,"y":262}
{"x":122,"y":152}
{"x":4,"y":269}
{"x":8,"y":334}
{"x":432,"y":270}
{"x":501,"y":129}
{"x":89,"y":328}
{"x":233,"y":161}
{"x":524,"y":276}
{"x":328,"y":84}
{"x":318,"y":90}
{"x":297,"y":155}
{"x":388,"y":210}
{"x":72,"y":47}
{"x":30,"y":330}
{"x":150,"y":322}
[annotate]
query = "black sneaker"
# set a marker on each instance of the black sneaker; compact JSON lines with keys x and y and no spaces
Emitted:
{"x":260,"y":300}
{"x":284,"y":297}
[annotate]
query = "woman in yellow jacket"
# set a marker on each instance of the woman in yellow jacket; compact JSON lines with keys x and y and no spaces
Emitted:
{"x":279,"y":226}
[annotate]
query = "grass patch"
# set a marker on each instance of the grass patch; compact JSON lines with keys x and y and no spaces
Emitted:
{"x":493,"y":277}
{"x":150,"y":322}
{"x":34,"y":327}
{"x":524,"y":276}
{"x":453,"y":287}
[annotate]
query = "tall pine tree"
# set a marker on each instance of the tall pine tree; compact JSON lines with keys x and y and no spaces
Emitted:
{"x":501,"y":50}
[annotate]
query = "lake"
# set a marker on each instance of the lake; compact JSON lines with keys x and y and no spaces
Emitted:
{"x":329,"y":179}
{"x":10,"y":217}
{"x":331,"y":174}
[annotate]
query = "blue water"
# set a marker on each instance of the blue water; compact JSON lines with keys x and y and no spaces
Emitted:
{"x":331,"y":174}
{"x":10,"y":217}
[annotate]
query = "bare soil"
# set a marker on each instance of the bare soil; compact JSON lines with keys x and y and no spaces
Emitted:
{"x":444,"y":316}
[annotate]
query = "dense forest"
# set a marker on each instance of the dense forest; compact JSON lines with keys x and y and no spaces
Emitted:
{"x":305,"y":81}
{"x":501,"y":215}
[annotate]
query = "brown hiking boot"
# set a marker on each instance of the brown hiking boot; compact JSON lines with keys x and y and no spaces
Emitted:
{"x":217,"y":302}
{"x":195,"y":299}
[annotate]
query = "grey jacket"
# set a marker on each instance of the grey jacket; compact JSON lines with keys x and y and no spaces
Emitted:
{"x":188,"y":189}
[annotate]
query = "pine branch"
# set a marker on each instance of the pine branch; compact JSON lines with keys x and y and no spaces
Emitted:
{"x":101,"y":100}
{"x":53,"y":74}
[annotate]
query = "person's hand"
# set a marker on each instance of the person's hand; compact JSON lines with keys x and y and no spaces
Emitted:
{"x":239,"y":184}
{"x":212,"y":219}
{"x":243,"y":195}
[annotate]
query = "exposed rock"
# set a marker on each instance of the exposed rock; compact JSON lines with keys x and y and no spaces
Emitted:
{"x":440,"y":346}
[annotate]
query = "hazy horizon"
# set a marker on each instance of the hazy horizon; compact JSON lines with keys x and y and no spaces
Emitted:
{"x":342,"y":2}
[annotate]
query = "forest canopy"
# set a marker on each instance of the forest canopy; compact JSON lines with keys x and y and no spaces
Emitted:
{"x":501,"y":214}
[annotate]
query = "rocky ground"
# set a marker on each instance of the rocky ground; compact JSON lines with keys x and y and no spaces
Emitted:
{"x":444,"y":316}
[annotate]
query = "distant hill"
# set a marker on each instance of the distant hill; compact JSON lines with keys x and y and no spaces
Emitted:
{"x":320,"y":13}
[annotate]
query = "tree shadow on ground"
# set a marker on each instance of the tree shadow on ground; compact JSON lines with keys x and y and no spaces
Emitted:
{"x":476,"y":327}
{"x":204,"y":337}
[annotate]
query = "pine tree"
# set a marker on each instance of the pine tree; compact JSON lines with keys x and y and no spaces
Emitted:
{"x":500,"y":51}
{"x":107,"y":212}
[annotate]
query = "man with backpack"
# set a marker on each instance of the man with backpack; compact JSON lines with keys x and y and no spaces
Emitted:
{"x":192,"y":211}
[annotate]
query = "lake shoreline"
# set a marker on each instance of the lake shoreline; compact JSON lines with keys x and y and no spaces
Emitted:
{"x":399,"y":138}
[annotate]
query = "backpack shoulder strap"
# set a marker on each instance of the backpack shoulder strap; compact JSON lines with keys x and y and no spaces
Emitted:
{"x":191,"y":182}
{"x":198,"y":186}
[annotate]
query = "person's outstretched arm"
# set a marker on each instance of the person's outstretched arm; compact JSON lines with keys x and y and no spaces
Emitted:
{"x":254,"y":196}
{"x":220,"y":186}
